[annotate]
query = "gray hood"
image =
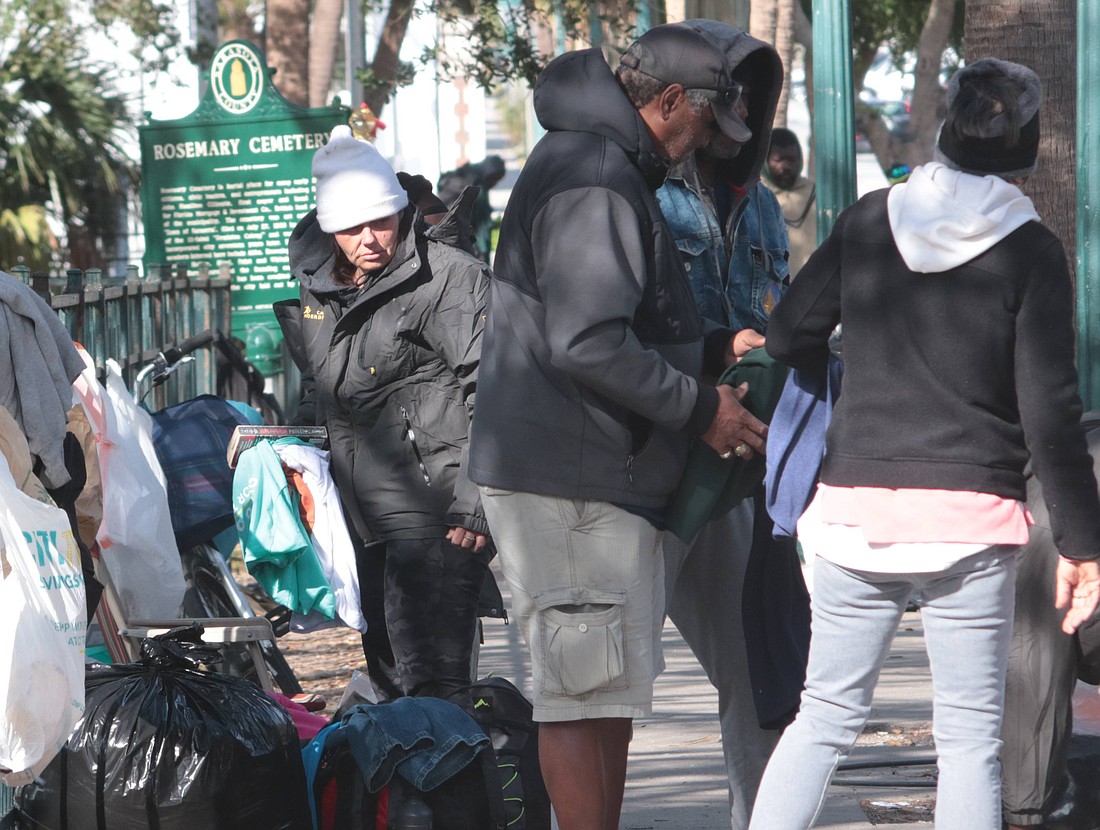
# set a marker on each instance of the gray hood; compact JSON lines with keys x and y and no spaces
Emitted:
{"x":578,"y":92}
{"x":756,"y":63}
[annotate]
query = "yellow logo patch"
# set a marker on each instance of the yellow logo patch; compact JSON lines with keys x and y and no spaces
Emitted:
{"x":313,"y":314}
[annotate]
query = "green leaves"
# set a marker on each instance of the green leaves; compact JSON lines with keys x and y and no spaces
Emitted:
{"x":64,"y":126}
{"x":26,"y":237}
{"x":510,"y":41}
{"x":896,"y":23}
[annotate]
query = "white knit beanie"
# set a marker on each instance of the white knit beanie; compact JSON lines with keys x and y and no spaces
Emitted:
{"x":354,"y":183}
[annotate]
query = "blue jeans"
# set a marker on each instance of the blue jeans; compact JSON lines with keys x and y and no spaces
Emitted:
{"x":967,"y":612}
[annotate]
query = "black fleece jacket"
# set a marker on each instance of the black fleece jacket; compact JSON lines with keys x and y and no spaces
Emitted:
{"x":951,"y":379}
{"x":593,"y":349}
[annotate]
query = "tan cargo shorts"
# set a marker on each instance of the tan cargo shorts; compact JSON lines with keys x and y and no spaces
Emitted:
{"x":587,"y":584}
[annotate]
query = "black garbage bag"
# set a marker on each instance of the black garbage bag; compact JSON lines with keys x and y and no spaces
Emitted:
{"x":166,"y":746}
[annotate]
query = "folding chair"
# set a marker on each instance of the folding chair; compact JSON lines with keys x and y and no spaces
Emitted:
{"x":123,"y":635}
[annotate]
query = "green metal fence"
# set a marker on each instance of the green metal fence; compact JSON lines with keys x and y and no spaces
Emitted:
{"x":130,"y":318}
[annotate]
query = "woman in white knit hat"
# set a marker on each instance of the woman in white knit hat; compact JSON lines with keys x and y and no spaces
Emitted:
{"x":390,"y":324}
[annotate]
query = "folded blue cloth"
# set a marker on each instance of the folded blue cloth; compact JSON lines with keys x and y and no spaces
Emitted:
{"x":796,"y":443}
{"x":425,"y":740}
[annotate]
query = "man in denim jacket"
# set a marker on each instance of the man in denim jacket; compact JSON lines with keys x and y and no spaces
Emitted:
{"x":730,"y":231}
{"x":728,"y":225}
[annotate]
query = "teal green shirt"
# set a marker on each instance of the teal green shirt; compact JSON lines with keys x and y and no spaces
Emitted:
{"x":277,"y":548}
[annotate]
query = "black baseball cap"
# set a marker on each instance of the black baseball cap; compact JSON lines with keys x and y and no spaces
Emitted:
{"x":679,"y":55}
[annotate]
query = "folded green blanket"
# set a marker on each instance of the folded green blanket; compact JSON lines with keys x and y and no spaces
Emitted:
{"x":711,"y":485}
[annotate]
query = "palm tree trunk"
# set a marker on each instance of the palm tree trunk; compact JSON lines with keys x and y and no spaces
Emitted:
{"x":324,"y":37}
{"x":287,"y":36}
{"x":784,"y":45}
{"x":1041,"y":34}
{"x":804,"y":36}
{"x":235,"y":21}
{"x":387,"y":56}
{"x":927,"y":104}
{"x":763,"y":19}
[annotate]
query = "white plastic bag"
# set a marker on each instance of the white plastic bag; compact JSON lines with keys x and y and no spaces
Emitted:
{"x":135,"y":537}
{"x":42,"y":629}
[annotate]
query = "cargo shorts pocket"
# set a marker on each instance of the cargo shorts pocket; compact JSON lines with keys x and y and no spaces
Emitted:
{"x":583,"y":643}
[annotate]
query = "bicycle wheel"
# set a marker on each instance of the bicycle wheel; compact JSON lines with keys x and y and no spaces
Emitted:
{"x":208,"y":594}
{"x":212,"y":592}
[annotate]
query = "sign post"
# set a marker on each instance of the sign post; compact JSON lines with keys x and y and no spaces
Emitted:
{"x":228,"y":183}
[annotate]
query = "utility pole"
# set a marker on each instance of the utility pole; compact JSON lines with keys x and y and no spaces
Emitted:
{"x":1088,"y":202}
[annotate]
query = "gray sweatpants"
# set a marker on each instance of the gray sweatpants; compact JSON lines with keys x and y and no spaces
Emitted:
{"x":967,"y":615}
{"x":703,"y":584}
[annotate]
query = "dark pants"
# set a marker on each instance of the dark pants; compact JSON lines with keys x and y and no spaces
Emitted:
{"x":1038,"y":716}
{"x":420,"y":600}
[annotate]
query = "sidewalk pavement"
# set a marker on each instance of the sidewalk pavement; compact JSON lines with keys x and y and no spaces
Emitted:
{"x":676,"y":777}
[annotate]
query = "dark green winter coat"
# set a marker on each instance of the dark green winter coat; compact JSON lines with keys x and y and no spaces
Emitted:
{"x":391,"y":370}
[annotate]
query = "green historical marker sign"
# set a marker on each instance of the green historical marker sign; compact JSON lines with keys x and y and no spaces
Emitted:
{"x":229,"y":182}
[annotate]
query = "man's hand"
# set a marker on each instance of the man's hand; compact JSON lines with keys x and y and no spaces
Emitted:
{"x":734,"y":430}
{"x":463,"y":538}
{"x":741,"y":344}
{"x":1077,"y":586}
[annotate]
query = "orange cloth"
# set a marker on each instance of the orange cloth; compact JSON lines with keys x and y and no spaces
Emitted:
{"x":306,"y":507}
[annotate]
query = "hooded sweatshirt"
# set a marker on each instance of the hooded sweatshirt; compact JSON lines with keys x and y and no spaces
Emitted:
{"x":593,"y":345}
{"x":942,"y":218}
{"x":730,"y":231}
{"x":959,"y":351}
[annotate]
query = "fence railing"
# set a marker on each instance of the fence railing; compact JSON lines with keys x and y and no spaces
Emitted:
{"x":130,"y":318}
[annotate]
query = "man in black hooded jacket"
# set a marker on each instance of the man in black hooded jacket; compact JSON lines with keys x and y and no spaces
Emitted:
{"x":590,"y":398}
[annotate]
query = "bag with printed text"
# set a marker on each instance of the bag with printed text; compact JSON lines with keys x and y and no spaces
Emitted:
{"x":42,"y":627}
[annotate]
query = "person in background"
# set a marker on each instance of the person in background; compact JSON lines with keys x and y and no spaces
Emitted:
{"x":590,"y":398}
{"x":730,"y":232}
{"x":797,"y":195}
{"x":957,"y":307}
{"x":390,"y":323}
{"x":484,"y":175}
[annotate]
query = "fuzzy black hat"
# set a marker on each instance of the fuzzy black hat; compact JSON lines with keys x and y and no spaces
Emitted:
{"x":992,"y":125}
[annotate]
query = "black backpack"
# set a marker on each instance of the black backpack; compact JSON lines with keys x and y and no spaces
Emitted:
{"x":506,"y":715}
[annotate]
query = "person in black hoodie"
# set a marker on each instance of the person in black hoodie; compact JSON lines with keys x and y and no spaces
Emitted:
{"x":958,"y":348}
{"x":389,"y":328}
{"x":590,"y":398}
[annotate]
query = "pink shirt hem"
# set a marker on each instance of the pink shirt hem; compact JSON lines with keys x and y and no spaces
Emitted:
{"x":916,"y":515}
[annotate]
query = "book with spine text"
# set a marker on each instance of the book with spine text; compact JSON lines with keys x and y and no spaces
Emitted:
{"x":247,"y":435}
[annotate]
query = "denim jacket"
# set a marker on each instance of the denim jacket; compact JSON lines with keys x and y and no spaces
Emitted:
{"x":738,"y":290}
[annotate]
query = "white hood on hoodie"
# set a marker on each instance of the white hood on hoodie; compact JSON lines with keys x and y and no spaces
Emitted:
{"x":942,"y":218}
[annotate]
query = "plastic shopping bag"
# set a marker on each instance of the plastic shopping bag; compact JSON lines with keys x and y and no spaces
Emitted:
{"x":42,"y":627}
{"x":135,"y":537}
